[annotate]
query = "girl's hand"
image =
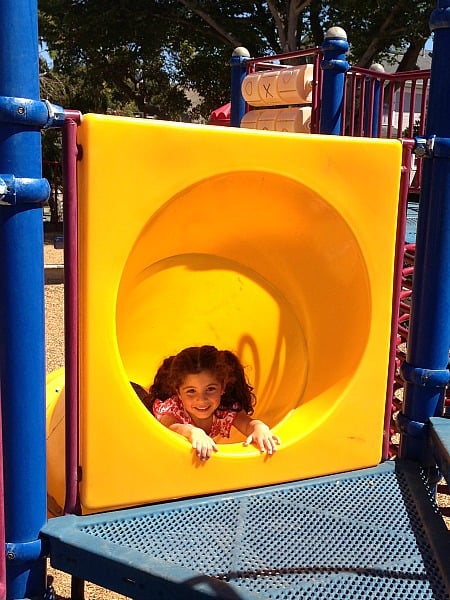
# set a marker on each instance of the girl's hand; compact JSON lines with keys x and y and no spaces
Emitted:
{"x":203,"y":445}
{"x":263,"y":438}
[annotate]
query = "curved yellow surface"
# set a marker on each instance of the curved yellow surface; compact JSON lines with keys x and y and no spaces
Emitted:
{"x":277,"y":246}
{"x":55,"y":442}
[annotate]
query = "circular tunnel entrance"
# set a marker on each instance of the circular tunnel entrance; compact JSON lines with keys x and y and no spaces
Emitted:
{"x":256,"y":263}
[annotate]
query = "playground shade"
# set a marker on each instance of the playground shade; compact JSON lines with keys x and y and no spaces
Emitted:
{"x":221,"y":115}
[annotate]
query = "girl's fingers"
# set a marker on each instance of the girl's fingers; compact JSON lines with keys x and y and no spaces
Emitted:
{"x":268,"y":444}
{"x":204,"y":450}
{"x":274,"y":441}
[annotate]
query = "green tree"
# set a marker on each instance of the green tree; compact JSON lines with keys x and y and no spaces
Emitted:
{"x":144,"y":56}
{"x":376,"y":27}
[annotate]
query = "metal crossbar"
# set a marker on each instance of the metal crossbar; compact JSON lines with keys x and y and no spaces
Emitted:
{"x":331,"y":537}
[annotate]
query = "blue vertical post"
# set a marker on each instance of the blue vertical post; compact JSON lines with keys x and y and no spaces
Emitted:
{"x":334,"y":66}
{"x":238,"y":72}
{"x":372,"y":111}
{"x":22,"y":355}
{"x":425,"y":370}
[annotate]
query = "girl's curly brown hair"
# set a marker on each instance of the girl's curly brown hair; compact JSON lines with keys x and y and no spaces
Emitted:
{"x":223,"y":364}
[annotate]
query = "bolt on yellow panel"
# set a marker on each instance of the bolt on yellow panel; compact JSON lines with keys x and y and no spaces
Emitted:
{"x":278,"y":247}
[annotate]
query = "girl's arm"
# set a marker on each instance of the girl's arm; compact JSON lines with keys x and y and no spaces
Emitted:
{"x":257,"y":433}
{"x":203,"y":445}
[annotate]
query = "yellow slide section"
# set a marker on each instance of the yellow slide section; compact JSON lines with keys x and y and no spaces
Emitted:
{"x":279,"y":247}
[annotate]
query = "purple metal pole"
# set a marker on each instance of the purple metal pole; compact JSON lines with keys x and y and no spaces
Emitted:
{"x":334,"y":66}
{"x":425,"y":369}
{"x":70,"y":152}
{"x":22,"y":349}
{"x":397,"y":287}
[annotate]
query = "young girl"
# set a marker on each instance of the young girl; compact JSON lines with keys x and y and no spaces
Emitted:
{"x":201,"y":393}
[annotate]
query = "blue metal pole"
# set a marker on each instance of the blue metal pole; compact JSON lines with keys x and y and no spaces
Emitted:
{"x":372,"y":131}
{"x":334,"y":66}
{"x":22,"y":353}
{"x":425,"y":370}
{"x":238,"y":72}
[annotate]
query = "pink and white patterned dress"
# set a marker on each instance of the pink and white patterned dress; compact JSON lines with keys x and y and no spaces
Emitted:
{"x":222,"y":419}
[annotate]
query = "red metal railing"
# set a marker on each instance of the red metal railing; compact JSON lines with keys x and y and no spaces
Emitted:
{"x":383,"y":105}
{"x":401,"y":342}
{"x":401,"y":97}
{"x":387,"y":105}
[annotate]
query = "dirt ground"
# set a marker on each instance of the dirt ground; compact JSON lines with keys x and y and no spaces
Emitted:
{"x":54,"y":299}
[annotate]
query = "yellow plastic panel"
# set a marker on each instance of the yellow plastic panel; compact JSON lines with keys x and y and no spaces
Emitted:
{"x":279,"y":247}
{"x":55,"y":434}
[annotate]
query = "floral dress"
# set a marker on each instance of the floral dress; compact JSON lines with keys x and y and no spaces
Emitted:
{"x":222,"y":419}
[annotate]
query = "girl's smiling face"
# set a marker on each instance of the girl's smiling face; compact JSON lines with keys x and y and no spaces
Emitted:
{"x":200,"y":395}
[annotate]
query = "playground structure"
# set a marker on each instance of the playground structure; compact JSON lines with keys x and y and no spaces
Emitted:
{"x":238,"y":292}
{"x":326,"y":536}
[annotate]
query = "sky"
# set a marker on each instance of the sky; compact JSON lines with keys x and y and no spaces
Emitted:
{"x":44,"y":54}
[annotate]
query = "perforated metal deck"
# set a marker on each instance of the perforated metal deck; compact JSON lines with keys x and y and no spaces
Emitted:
{"x":439,"y":430}
{"x":374,"y":533}
{"x":411,"y":222}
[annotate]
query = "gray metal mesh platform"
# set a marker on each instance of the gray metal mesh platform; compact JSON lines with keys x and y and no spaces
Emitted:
{"x":439,"y":429}
{"x":411,"y":222}
{"x":374,"y":533}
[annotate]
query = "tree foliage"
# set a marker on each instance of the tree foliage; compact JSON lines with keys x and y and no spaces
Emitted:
{"x":142,"y":56}
{"x":375,"y":27}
